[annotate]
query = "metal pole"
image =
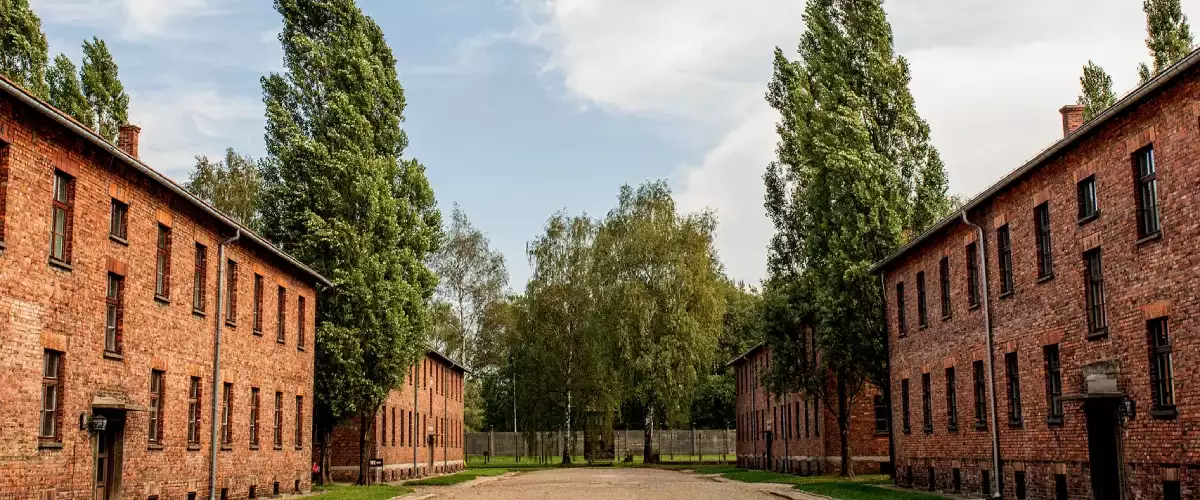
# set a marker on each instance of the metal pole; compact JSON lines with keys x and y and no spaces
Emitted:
{"x":416,"y":420}
{"x":216,"y":376}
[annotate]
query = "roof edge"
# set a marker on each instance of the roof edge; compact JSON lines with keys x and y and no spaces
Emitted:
{"x":1129,"y":100}
{"x":429,"y":351}
{"x":744,"y":355}
{"x":73,"y":125}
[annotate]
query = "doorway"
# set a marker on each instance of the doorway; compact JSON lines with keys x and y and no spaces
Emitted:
{"x":1104,"y":449}
{"x":107,"y":463}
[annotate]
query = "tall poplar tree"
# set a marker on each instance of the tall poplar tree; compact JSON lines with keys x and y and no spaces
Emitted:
{"x":66,"y":92}
{"x":106,"y":97}
{"x":24,"y":53}
{"x":1097,"y":93}
{"x":661,"y":294}
{"x":338,"y":196}
{"x":855,"y":175}
{"x":1168,"y":36}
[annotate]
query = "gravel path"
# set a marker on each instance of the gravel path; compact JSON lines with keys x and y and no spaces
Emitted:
{"x":604,"y":484}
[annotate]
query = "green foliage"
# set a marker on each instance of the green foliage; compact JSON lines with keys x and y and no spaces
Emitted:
{"x":66,"y":91}
{"x":459,"y":477}
{"x":859,"y":491}
{"x":1168,"y":36}
{"x":106,"y":98}
{"x":345,"y":492}
{"x":337,"y":196}
{"x":24,"y":53}
{"x":715,"y":401}
{"x":233,"y":185}
{"x":855,"y":175}
{"x":661,"y":296}
{"x":473,"y":277}
{"x":1097,"y":93}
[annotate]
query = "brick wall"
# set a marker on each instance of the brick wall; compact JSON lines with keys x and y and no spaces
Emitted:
{"x":1142,"y":280}
{"x":806,"y":439}
{"x":62,"y":308}
{"x":439,"y":407}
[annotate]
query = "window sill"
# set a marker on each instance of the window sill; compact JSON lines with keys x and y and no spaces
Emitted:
{"x":301,"y":348}
{"x":1005,"y":295}
{"x":980,"y":425}
{"x":154,"y":446}
{"x":226,"y":447}
{"x":299,"y":447}
{"x":929,"y":431}
{"x":922,"y":327}
{"x":973,"y":307}
{"x":254,"y":447}
{"x":1164,"y":412}
{"x":1016,"y":424}
{"x":1098,"y":334}
{"x":1045,"y":278}
{"x":60,"y":265}
{"x":231,"y":323}
{"x":877,"y":433}
{"x":280,"y":341}
{"x":1088,"y":218}
{"x":902,"y":335}
{"x":1148,"y":238}
{"x":278,"y":447}
{"x":947,"y":317}
{"x":193,"y":446}
{"x":199,"y":312}
{"x":118,"y":239}
{"x":907,"y":431}
{"x":1054,"y":421}
{"x":162,"y":299}
{"x":258,"y":333}
{"x":50,"y":445}
{"x":114,"y":356}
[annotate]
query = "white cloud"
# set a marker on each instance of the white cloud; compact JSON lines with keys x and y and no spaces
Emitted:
{"x":180,"y":123}
{"x":135,"y":19}
{"x":988,"y":76}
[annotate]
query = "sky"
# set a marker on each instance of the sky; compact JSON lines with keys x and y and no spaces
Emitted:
{"x":521,"y":108}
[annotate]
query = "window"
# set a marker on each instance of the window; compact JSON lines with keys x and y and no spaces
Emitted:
{"x":299,"y":422}
{"x":156,"y":406}
{"x":980,"y":395}
{"x":393,"y":426}
{"x":254,"y":417}
{"x":194,"y":411}
{"x":118,"y":220}
{"x":1045,"y":255}
{"x":944,"y":275}
{"x":1097,"y":320}
{"x":902,"y":324}
{"x":1161,"y":384}
{"x":951,"y":401}
{"x":1004,"y":246}
{"x":904,"y":401}
{"x":162,"y":276}
{"x":1147,"y":198}
{"x":412,"y":436}
{"x":278,"y":419}
{"x":300,"y":324}
{"x":227,"y":414}
{"x":199,"y":278}
{"x":62,"y":215}
{"x":1089,"y":206}
{"x":114,"y":312}
{"x":383,"y":410}
{"x":280,"y":314}
{"x":1054,"y":387}
{"x":956,"y":479}
{"x":927,"y":402}
{"x":1013,"y":375}
{"x":231,"y":270}
{"x":972,"y":276}
{"x":922,"y":312}
{"x":258,"y":304}
{"x":51,"y":396}
{"x":4,"y":155}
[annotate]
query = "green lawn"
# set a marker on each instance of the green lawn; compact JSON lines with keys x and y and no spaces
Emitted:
{"x":460,"y":477}
{"x":509,"y":461}
{"x":862,"y":487}
{"x":348,"y":492}
{"x":860,"y":491}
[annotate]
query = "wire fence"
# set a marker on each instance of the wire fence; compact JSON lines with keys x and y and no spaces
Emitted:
{"x":670,"y":445}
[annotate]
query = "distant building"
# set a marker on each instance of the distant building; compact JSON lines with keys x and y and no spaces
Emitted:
{"x":795,"y":433}
{"x":111,"y":305}
{"x":1073,"y":344}
{"x":417,"y":431}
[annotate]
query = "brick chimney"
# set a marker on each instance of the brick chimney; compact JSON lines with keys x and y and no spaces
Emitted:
{"x":1072,"y":116}
{"x":127,"y":139}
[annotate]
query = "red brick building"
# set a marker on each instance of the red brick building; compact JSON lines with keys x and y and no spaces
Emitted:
{"x":793,"y":433}
{"x":112,"y":307}
{"x":417,"y":431}
{"x":1070,"y":283}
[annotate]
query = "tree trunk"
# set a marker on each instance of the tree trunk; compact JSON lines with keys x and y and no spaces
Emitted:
{"x":844,"y":427}
{"x":648,"y":437}
{"x":323,"y":460}
{"x":366,"y":428}
{"x":566,"y":457}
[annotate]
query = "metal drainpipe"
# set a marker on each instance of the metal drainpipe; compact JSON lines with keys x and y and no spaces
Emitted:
{"x":216,"y":375}
{"x":991,"y":349}
{"x":416,"y":418}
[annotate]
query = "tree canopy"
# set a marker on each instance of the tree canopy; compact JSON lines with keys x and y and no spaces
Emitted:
{"x":107,"y":101}
{"x":1169,"y":37}
{"x":24,"y":53}
{"x":233,"y":185}
{"x":1097,"y":93}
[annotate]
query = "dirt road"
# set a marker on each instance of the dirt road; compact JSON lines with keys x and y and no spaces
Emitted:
{"x":603,"y":484}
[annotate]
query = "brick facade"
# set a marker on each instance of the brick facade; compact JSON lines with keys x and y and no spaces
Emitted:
{"x":803,"y":432}
{"x":1145,"y":279}
{"x":438,"y":429}
{"x":60,"y":307}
